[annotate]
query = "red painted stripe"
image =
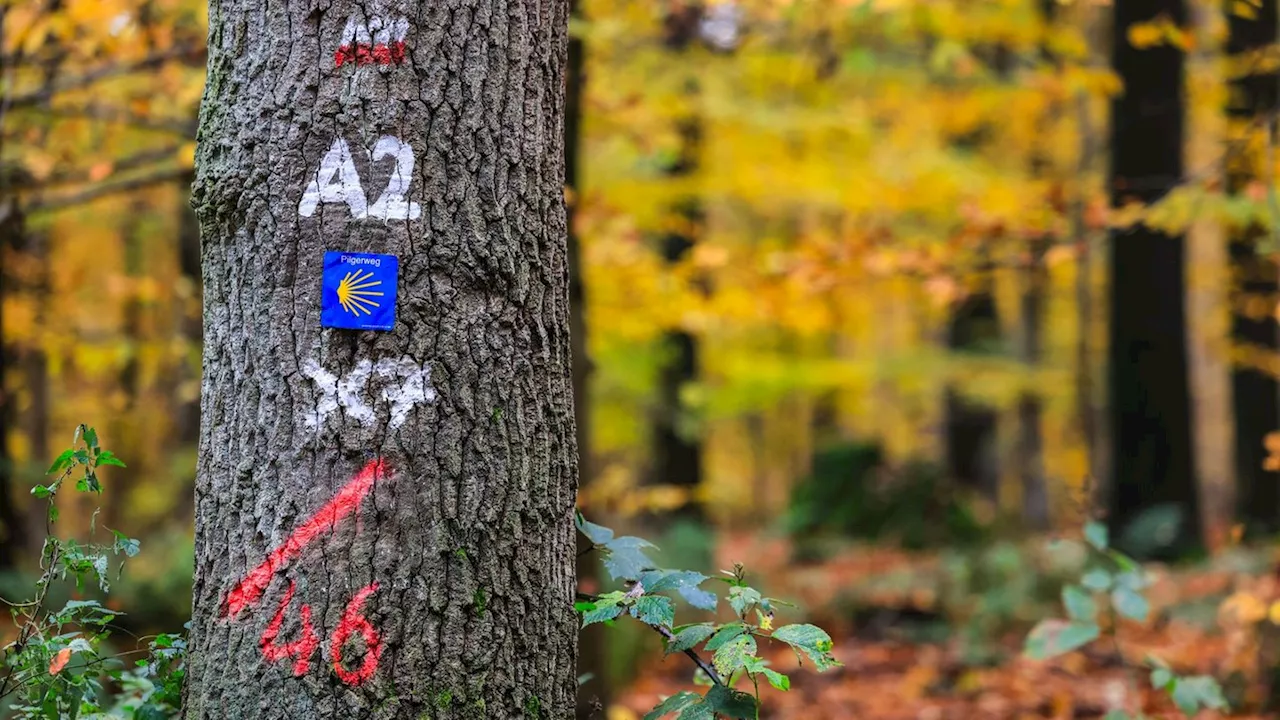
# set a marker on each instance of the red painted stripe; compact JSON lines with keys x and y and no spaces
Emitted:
{"x":366,"y":54}
{"x":249,"y":591}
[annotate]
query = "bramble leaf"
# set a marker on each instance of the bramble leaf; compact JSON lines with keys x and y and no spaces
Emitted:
{"x":654,"y":610}
{"x":724,"y":635}
{"x":675,"y":703}
{"x":1054,"y":637}
{"x":733,"y":655}
{"x":689,"y":637}
{"x":1079,"y":603}
{"x":811,"y":640}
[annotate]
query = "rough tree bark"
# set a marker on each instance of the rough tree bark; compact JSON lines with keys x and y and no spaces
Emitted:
{"x":1255,"y":391}
{"x":1149,"y":398}
{"x":384,"y":523}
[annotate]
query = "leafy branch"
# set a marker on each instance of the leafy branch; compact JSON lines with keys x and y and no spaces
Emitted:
{"x":1120,"y":580}
{"x":649,"y":598}
{"x":55,"y":665}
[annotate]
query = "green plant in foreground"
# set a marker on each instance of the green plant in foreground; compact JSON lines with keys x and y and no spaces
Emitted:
{"x":59,"y":664}
{"x":733,"y":645}
{"x":1120,"y":581}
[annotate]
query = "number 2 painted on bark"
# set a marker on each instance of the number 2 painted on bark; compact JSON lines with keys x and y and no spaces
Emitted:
{"x":248,"y":592}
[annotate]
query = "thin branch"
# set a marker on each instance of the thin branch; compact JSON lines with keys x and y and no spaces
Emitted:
{"x":192,"y":56}
{"x":119,"y":116}
{"x":17,"y":178}
{"x":664,"y":632}
{"x":697,"y":659}
{"x":107,"y":189}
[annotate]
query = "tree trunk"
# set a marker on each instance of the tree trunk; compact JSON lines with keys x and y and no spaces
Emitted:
{"x":677,"y":456}
{"x":384,"y":523}
{"x":1034,"y":281}
{"x":1149,"y":398}
{"x":970,"y":425}
{"x":1255,"y":391}
{"x":12,"y":537}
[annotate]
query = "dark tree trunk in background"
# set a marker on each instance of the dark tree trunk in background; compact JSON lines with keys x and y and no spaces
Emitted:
{"x":1255,"y":392}
{"x":1030,"y":447}
{"x":1034,"y":282}
{"x":677,"y":456}
{"x":384,"y":520}
{"x":23,"y":371}
{"x":1149,"y":398}
{"x":970,"y":425}
{"x":593,"y":695}
{"x":12,"y":537}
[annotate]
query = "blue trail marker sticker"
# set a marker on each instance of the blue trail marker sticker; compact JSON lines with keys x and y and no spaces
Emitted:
{"x":358,"y":291}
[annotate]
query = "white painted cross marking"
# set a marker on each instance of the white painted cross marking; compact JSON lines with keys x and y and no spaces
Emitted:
{"x":400,"y":384}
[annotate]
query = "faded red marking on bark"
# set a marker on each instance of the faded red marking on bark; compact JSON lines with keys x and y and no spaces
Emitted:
{"x":301,"y":649}
{"x":351,"y":623}
{"x":367,"y":54}
{"x":249,"y":591}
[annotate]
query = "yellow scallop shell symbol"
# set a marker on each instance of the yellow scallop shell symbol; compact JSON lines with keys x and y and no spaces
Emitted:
{"x":355,"y":293}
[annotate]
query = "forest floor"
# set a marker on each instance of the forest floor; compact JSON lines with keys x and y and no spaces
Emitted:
{"x":907,"y":639}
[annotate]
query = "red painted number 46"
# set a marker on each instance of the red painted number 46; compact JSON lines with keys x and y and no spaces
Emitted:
{"x":352,"y":623}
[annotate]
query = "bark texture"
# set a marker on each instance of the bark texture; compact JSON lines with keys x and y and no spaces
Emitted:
{"x":1149,"y":397}
{"x":451,"y":565}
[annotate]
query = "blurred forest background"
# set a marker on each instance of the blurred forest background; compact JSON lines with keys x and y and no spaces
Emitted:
{"x":878,"y":297}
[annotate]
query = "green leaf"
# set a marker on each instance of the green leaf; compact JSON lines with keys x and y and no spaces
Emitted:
{"x":625,"y":558}
{"x":684,"y":582}
{"x":74,"y":605}
{"x":1095,"y":533}
{"x":1134,"y":579}
{"x":689,"y":637}
{"x":1160,"y":678}
{"x":1192,"y":693}
{"x":675,"y":703}
{"x":42,"y":491}
{"x":777,"y":679}
{"x":597,"y":534}
{"x":1130,"y":604}
{"x":607,"y":608}
{"x":91,"y":438}
{"x":811,"y":640}
{"x":125,"y":544}
{"x":1126,"y":563}
{"x":742,"y":598}
{"x":109,"y":458}
{"x":730,"y":703}
{"x":732,"y":656}
{"x":1097,"y":579}
{"x":1079,"y":603}
{"x":1054,"y":637}
{"x":654,"y":610}
{"x":61,"y":462}
{"x":582,"y":606}
{"x":724,"y":635}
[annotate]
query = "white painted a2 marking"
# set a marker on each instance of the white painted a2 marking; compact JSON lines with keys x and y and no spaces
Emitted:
{"x":336,"y":181}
